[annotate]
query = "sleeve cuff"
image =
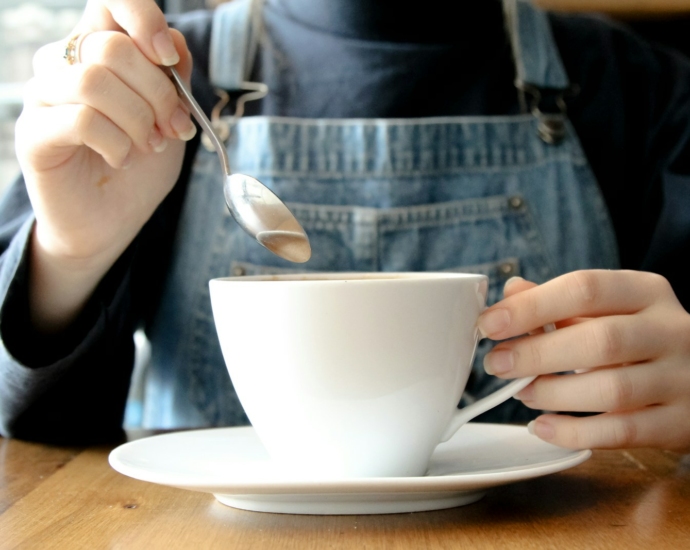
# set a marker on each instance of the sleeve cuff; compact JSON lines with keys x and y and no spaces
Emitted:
{"x":22,"y":343}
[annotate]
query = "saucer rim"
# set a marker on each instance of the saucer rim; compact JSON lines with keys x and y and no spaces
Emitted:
{"x":447,"y":482}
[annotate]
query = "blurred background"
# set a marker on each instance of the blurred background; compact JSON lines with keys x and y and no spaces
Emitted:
{"x":25,"y":25}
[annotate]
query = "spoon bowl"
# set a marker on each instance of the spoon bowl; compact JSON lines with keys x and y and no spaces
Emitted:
{"x":262,"y":214}
{"x":257,"y":210}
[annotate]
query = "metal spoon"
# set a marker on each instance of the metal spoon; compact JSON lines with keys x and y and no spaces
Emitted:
{"x":255,"y":207}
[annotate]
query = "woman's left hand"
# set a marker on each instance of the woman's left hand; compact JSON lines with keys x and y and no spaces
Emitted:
{"x":624,"y":342}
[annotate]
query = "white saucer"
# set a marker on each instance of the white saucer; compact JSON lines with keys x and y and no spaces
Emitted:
{"x":232,"y":464}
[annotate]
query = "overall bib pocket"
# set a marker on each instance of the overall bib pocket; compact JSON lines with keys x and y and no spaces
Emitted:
{"x":495,"y":236}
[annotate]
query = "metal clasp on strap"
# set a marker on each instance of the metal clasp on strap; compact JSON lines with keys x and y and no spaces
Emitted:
{"x":551,"y":126}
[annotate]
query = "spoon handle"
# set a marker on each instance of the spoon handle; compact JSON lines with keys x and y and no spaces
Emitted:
{"x":201,"y":118}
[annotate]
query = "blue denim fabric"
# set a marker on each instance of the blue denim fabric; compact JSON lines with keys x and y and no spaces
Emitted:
{"x":535,"y":64}
{"x":233,"y":39}
{"x":472,"y":194}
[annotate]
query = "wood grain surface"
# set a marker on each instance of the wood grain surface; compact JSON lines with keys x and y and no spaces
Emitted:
{"x":70,"y":498}
{"x":623,"y":8}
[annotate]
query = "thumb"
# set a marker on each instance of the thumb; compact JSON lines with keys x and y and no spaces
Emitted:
{"x":184,"y":67}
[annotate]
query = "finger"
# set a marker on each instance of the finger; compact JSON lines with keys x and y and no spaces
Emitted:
{"x":118,"y":53}
{"x":97,"y":87}
{"x":518,"y":284}
{"x":64,"y":128}
{"x":598,"y":342}
{"x":590,"y":293}
{"x":601,"y":390}
{"x":141,"y":19}
{"x":184,"y":67}
{"x":515,"y":285}
{"x":661,"y":426}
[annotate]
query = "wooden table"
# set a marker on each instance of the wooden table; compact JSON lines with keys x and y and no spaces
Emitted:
{"x":621,"y":8}
{"x":56,"y":497}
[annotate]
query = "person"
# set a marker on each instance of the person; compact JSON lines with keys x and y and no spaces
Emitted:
{"x":403,"y":137}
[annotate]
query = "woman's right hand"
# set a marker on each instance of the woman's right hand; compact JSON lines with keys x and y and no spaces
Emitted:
{"x":100,"y":144}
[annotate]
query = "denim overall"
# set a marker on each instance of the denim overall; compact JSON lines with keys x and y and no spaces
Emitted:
{"x":501,"y":196}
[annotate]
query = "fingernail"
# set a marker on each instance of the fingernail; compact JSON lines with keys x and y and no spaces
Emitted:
{"x":182,"y":125}
{"x":526,"y":394}
{"x":541,"y":429}
{"x":511,"y":281}
{"x":156,"y":141}
{"x":165,"y":48}
{"x":498,"y":361}
{"x":493,"y":322}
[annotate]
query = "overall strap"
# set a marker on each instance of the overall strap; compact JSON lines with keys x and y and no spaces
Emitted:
{"x":537,"y":61}
{"x":539,"y":70}
{"x":234,"y":42}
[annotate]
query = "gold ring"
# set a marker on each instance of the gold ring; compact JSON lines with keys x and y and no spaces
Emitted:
{"x":73,"y":48}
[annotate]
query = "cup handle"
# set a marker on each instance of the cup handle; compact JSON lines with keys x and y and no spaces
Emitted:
{"x":464,"y":415}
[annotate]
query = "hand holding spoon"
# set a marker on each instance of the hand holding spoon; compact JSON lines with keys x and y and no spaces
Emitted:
{"x":255,"y":207}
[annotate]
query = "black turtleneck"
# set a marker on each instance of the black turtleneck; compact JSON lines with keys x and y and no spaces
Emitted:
{"x":433,"y":22}
{"x":365,"y":59}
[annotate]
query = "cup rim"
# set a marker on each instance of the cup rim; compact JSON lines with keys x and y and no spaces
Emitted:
{"x":358,"y":277}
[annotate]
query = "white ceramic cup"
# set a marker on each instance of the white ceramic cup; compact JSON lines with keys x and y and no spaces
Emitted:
{"x":350,"y":375}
